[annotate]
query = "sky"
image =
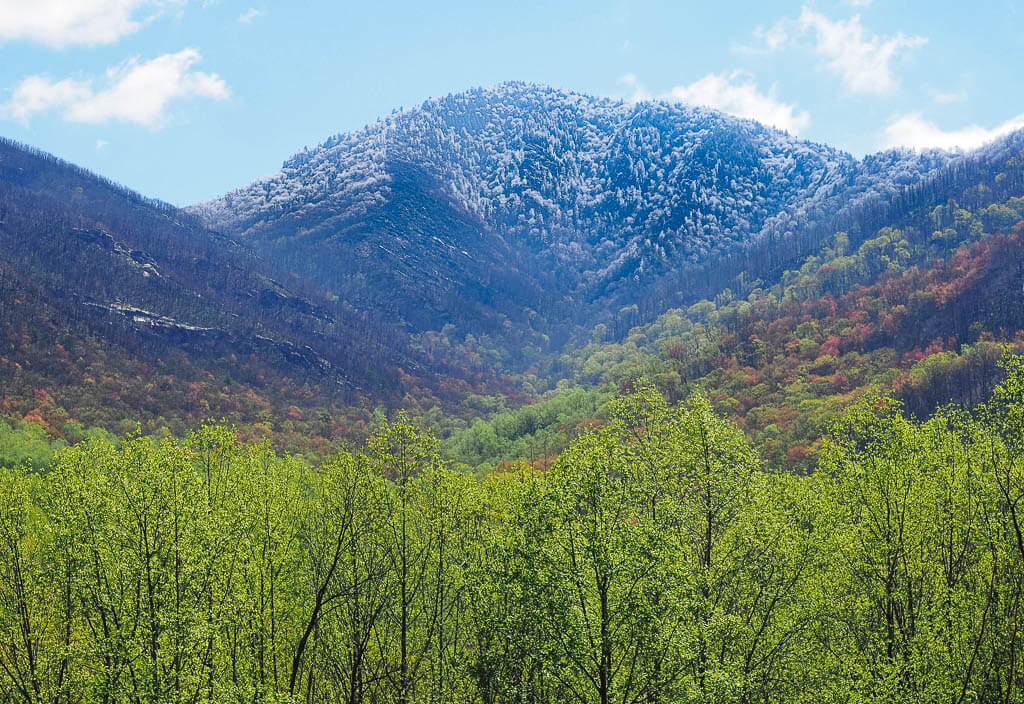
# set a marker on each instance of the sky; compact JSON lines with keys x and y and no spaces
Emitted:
{"x":184,"y":100}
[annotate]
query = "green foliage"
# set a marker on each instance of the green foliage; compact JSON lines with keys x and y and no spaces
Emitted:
{"x":27,"y":444}
{"x":924,"y":310}
{"x":656,"y":560}
{"x":534,"y":431}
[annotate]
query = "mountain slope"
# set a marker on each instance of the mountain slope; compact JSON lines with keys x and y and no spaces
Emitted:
{"x":919,"y":298}
{"x":528,"y":238}
{"x":115,"y":306}
{"x":532,"y":180}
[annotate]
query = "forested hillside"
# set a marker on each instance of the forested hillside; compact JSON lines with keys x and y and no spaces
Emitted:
{"x":118,"y":310}
{"x":920,"y":300}
{"x":909,"y":282}
{"x":517,"y":182}
{"x":657,"y":560}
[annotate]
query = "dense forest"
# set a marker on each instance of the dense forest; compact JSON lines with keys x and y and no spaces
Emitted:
{"x":922,"y":306}
{"x":657,"y":560}
{"x":117,"y":311}
{"x":908,"y":283}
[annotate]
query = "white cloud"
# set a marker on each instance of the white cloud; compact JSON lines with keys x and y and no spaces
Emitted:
{"x":862,"y":60}
{"x":771,"y":39}
{"x":249,"y":15}
{"x":40,"y":94}
{"x":61,"y":23}
{"x":138,"y":92}
{"x":100,"y":143}
{"x":914,"y":131}
{"x":637,"y":92}
{"x":737,"y":94}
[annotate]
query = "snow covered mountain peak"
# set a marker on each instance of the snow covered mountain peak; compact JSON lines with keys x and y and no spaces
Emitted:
{"x":602,"y":190}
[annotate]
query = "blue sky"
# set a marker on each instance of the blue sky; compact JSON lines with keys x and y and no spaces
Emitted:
{"x":186,"y":99}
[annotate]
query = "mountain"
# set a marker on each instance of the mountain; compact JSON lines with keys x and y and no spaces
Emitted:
{"x":471,"y":255}
{"x":920,"y":297}
{"x":117,"y":306}
{"x":494,"y":190}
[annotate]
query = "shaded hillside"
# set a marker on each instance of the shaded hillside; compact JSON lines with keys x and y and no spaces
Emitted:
{"x":115,"y":306}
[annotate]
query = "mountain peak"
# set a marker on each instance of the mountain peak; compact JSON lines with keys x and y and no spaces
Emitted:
{"x":610,"y":194}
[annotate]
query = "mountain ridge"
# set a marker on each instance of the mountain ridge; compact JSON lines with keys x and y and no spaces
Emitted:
{"x":394,"y":288}
{"x":607,"y":193}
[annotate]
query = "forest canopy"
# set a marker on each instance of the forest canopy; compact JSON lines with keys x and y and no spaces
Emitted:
{"x":656,"y":560}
